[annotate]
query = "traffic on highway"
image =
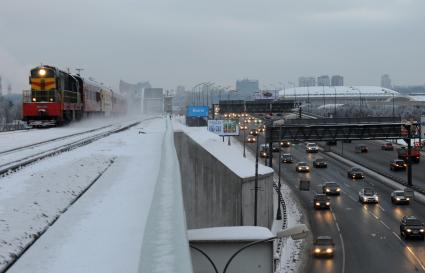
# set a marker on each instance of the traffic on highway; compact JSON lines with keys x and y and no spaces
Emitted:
{"x":359,"y":223}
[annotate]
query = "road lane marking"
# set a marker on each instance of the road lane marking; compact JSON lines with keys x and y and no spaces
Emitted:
{"x":396,"y":235}
{"x":374,"y":215}
{"x":343,"y":253}
{"x":417,"y":259}
{"x":385,"y":225}
{"x":337,"y":227}
{"x":381,"y":208}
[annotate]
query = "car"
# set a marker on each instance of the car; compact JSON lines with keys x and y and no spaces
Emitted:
{"x":285,"y":144}
{"x":410,"y":226}
{"x":253,"y":132}
{"x":360,"y":148}
{"x":243,"y":127}
{"x":355,"y":173}
{"x":387,"y":147}
{"x":331,"y":188}
{"x":251,"y":139}
{"x":324,"y":246}
{"x":398,"y":164}
{"x":286,"y":158}
{"x":302,"y":167}
{"x":311,"y":148}
{"x":399,"y":197}
{"x":264,"y":154}
{"x":368,"y":195}
{"x":321,"y":201}
{"x":275,"y":149}
{"x":320,"y":163}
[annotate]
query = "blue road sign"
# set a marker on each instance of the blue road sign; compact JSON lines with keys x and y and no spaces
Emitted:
{"x":197,"y":111}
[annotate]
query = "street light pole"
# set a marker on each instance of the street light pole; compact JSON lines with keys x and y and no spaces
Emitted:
{"x":256,"y":181}
{"x":279,"y":213}
{"x":244,"y":141}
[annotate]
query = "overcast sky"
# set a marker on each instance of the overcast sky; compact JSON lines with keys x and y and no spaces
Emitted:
{"x":185,"y":42}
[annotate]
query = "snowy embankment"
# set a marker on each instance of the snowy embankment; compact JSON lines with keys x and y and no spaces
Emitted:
{"x":232,"y":157}
{"x":229,"y":155}
{"x":103,"y":230}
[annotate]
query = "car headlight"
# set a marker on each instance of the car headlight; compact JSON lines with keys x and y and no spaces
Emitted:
{"x":329,"y":250}
{"x":421,"y":230}
{"x":408,"y":230}
{"x":338,"y":189}
{"x":317,"y":250}
{"x":328,"y":203}
{"x":328,"y":190}
{"x":376,"y":198}
{"x":398,"y":199}
{"x":317,"y":204}
{"x":407,"y":198}
{"x":34,"y":99}
{"x":307,"y":168}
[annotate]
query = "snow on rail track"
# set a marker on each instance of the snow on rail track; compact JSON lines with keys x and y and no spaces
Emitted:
{"x":22,"y":156}
{"x":32,"y":199}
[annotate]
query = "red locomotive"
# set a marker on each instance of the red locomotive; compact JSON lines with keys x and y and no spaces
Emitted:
{"x":57,"y":97}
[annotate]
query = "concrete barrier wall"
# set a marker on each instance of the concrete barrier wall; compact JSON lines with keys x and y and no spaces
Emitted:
{"x":215,"y":196}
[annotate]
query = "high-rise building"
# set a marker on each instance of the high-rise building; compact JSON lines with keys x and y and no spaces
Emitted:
{"x":306,"y":81}
{"x":337,"y":80}
{"x":386,"y":81}
{"x":323,"y":81}
{"x":246,"y":88}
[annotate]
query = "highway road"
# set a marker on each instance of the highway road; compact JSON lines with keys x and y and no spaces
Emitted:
{"x":366,"y":236}
{"x":379,"y":160}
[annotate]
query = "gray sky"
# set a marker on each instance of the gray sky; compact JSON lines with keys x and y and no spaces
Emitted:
{"x":190,"y":41}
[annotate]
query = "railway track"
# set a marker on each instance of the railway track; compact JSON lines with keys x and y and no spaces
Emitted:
{"x":16,"y":164}
{"x":33,"y":145}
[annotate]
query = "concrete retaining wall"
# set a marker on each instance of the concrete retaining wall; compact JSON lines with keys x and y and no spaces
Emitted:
{"x":215,"y":196}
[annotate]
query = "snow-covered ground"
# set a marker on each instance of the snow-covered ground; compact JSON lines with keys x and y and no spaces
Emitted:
{"x":103,"y":230}
{"x":229,"y":155}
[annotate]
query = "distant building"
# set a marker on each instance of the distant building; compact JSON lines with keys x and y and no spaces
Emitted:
{"x":323,"y":81}
{"x":153,"y":101}
{"x":386,"y":81}
{"x":133,"y":93}
{"x":337,"y":80}
{"x":246,"y":88}
{"x":306,"y":81}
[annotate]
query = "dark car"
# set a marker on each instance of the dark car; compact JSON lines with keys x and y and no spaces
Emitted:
{"x":286,"y":158}
{"x":355,"y":173}
{"x":285,"y":143}
{"x":320,"y":163}
{"x":360,"y":148}
{"x":324,"y":246}
{"x":321,"y":201}
{"x":399,"y":197}
{"x":410,"y":226}
{"x":331,"y":188}
{"x":275,"y":149}
{"x":387,"y":147}
{"x":397,"y":165}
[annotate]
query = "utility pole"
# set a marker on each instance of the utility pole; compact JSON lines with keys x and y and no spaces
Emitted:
{"x":279,"y":185}
{"x":409,"y":153}
{"x":256,"y":182}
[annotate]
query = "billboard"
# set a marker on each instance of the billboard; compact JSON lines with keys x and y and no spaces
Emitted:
{"x":197,"y":111}
{"x":266,"y":95}
{"x":224,"y":127}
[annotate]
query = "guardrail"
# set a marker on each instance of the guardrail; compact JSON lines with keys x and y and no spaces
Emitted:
{"x":165,"y":247}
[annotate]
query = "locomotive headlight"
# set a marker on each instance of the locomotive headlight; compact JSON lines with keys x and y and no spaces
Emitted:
{"x":42,"y":72}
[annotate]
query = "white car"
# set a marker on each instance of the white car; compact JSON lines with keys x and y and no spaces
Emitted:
{"x":368,"y":195}
{"x":311,"y":147}
{"x":302,"y":167}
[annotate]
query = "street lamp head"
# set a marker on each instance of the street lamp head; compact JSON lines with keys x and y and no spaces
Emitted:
{"x":297,"y":232}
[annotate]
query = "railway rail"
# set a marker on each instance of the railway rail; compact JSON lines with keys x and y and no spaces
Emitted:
{"x":12,"y":166}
